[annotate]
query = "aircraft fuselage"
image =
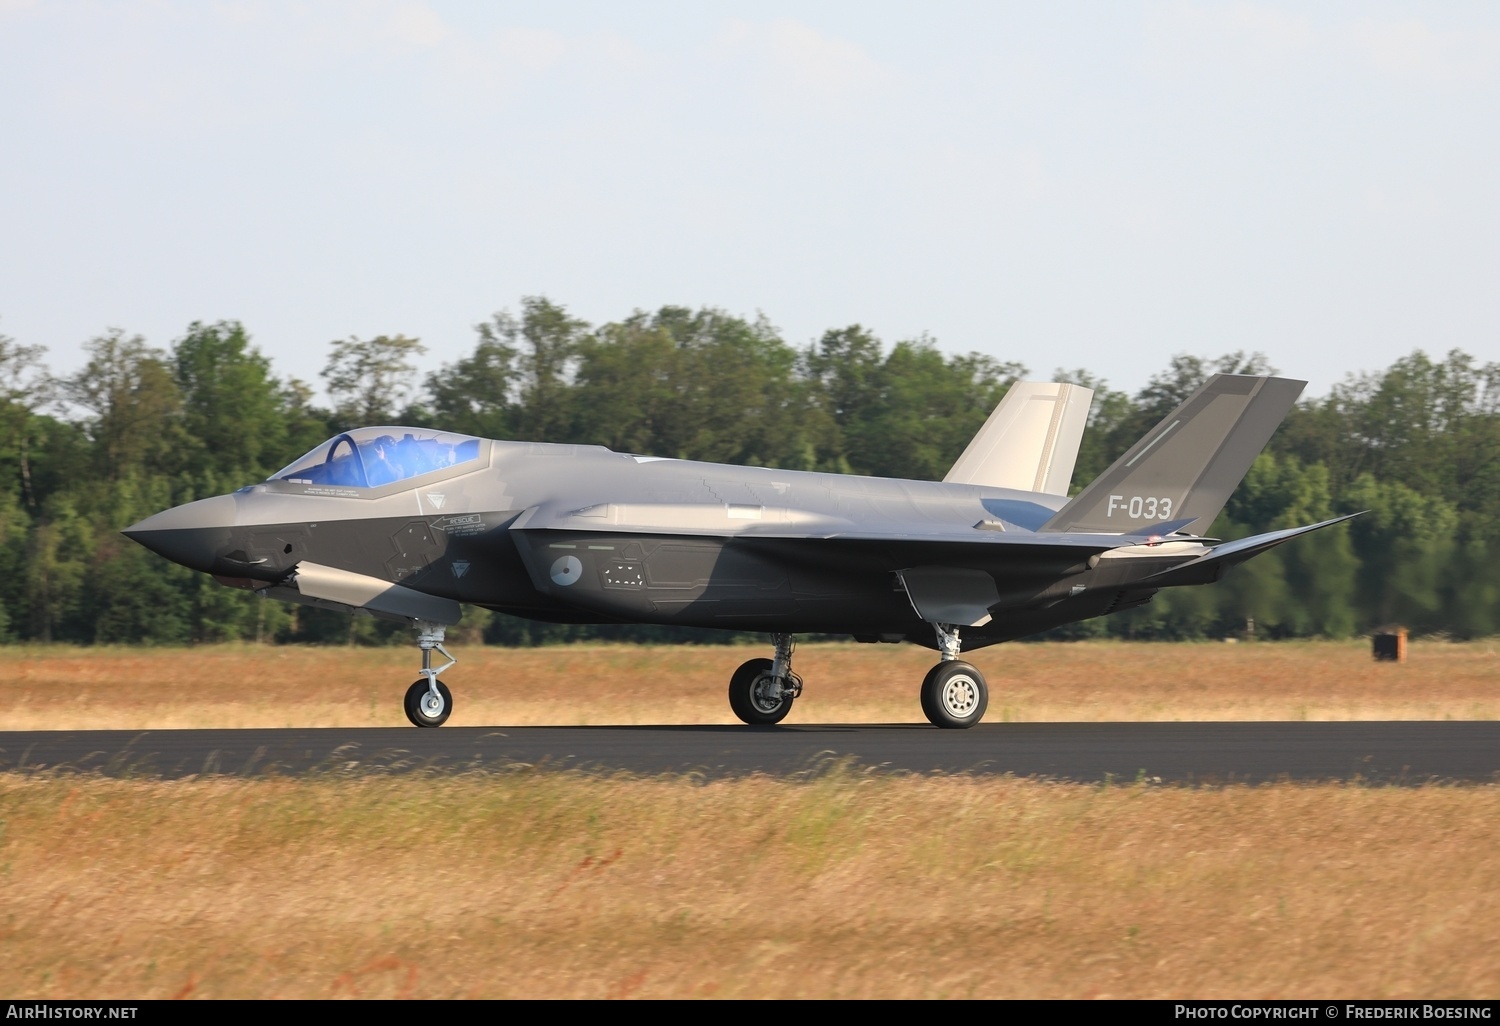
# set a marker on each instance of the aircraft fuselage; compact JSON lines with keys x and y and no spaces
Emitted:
{"x":531,"y":530}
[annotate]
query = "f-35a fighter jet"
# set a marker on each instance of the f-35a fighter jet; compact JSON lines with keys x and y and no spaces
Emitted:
{"x":407,"y":523}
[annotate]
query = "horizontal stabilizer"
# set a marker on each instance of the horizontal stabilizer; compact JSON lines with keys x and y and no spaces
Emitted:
{"x":1210,"y":567}
{"x":1030,"y":442}
{"x":1187,"y":465}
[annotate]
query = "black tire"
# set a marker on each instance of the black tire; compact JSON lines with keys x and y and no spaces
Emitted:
{"x":748,"y":699}
{"x":422,"y":717}
{"x":954,"y":695}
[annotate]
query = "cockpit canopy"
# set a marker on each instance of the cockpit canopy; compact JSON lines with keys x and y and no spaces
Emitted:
{"x":375,"y":456}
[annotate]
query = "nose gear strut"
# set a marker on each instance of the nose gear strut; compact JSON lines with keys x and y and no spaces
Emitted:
{"x":429,"y":703}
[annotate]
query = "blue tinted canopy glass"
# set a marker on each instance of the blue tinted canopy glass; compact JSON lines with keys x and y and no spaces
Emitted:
{"x":375,"y":456}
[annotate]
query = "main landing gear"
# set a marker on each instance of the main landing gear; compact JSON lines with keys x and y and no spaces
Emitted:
{"x":954,"y":693}
{"x":761,"y":691}
{"x":429,"y":703}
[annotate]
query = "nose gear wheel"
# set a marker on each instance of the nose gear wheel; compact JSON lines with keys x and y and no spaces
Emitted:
{"x":428,"y":706}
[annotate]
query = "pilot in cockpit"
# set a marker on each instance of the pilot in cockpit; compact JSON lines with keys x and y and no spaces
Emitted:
{"x":409,"y":457}
{"x":382,"y":468}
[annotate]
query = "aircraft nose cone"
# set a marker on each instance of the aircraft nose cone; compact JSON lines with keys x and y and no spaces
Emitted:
{"x":191,"y":534}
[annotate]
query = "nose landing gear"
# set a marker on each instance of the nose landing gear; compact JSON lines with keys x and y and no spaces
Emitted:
{"x":429,"y":703}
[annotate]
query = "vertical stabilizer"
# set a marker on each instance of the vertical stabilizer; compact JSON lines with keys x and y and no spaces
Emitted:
{"x":1187,"y":465}
{"x":1030,"y":442}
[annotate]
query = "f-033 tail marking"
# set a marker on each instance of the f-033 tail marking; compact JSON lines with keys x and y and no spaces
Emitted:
{"x":1187,"y":466}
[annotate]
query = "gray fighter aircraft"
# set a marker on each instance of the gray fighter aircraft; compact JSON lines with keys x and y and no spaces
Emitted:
{"x":407,"y":523}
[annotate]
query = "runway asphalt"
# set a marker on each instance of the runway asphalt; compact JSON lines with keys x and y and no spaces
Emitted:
{"x":1380,"y":753}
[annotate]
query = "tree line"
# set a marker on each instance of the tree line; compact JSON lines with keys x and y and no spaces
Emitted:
{"x":141,"y":428}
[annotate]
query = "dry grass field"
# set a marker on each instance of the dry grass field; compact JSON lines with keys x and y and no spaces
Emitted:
{"x":544,"y":884}
{"x":559,"y":885}
{"x":250,"y":686}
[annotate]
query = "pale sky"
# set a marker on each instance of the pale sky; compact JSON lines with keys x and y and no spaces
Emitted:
{"x":1094,"y":185}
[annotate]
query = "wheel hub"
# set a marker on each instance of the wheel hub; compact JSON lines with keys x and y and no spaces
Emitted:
{"x":766,"y":694}
{"x":960,"y":696}
{"x":432,"y":705}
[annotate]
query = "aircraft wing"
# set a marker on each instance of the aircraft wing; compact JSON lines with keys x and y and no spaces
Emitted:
{"x":941,"y":566}
{"x":718,"y":520}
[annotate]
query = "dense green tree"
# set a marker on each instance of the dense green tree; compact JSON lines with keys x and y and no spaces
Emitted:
{"x":478,"y":394}
{"x":1405,"y":543}
{"x":25,"y":388}
{"x":691,"y":384}
{"x":1167,"y":389}
{"x":545,"y":339}
{"x":62,"y":456}
{"x":1107,"y":413}
{"x":734,"y":398}
{"x":845,"y":370}
{"x":1416,"y":444}
{"x":371,"y":379}
{"x":233,"y":417}
{"x":58,"y":555}
{"x":132,"y":600}
{"x":1164,"y":391}
{"x":1303,"y":588}
{"x":15,"y":525}
{"x":304,"y":424}
{"x":928,"y":409}
{"x":630,"y":371}
{"x":1432,"y":425}
{"x":135,"y":403}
